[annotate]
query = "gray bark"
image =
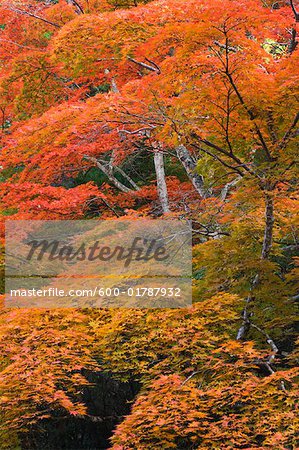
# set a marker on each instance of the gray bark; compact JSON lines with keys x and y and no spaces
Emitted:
{"x":129,"y":179}
{"x":228,"y":186}
{"x":190,"y":166}
{"x":107,"y":172}
{"x":161,"y":183}
{"x":114,"y":87}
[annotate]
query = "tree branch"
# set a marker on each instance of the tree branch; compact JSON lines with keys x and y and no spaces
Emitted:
{"x":161,"y":183}
{"x":189,"y":378}
{"x":229,"y":155}
{"x":189,"y":165}
{"x":225,"y":164}
{"x":228,"y":186}
{"x":250,"y":114}
{"x":76,"y":4}
{"x":288,"y":134}
{"x":145,"y":66}
{"x":231,"y":49}
{"x":244,"y":328}
{"x":108,"y":173}
{"x":129,"y":179}
{"x":268,"y":234}
{"x":296,"y":14}
{"x":293,"y":42}
{"x":154,"y":64}
{"x":27,"y":13}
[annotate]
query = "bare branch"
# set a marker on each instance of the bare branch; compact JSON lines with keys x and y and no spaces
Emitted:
{"x":145,"y":66}
{"x":27,"y":13}
{"x":76,"y":4}
{"x":231,"y":49}
{"x":296,"y":14}
{"x":288,"y":135}
{"x":293,"y":41}
{"x":189,"y":378}
{"x":244,"y":328}
{"x":190,"y":167}
{"x":229,"y":155}
{"x":161,"y":183}
{"x":225,"y":164}
{"x":268,"y":234}
{"x":269,"y":341}
{"x":15,"y":43}
{"x":108,"y":173}
{"x":250,"y":114}
{"x":129,"y":179}
{"x":228,"y":186}
{"x":154,"y":64}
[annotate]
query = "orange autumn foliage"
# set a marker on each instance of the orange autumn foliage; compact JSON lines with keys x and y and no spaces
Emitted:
{"x":91,"y":91}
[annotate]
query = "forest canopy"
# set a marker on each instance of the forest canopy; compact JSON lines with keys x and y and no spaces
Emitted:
{"x":166,"y":109}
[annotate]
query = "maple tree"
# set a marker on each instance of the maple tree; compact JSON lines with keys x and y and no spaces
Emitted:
{"x":177,"y":109}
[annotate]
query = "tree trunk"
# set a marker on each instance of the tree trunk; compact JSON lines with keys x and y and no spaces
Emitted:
{"x":267,"y":244}
{"x":129,"y":179}
{"x":190,"y":167}
{"x":268,"y":234}
{"x":161,"y":183}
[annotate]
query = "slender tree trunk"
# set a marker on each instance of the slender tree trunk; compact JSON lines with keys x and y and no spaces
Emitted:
{"x":268,"y":233}
{"x":190,"y":167}
{"x":161,"y":183}
{"x":108,"y":173}
{"x":114,"y":87}
{"x":267,"y":244}
{"x":129,"y":179}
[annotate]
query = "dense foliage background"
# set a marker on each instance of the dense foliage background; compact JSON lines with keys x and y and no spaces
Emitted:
{"x":184,"y":109}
